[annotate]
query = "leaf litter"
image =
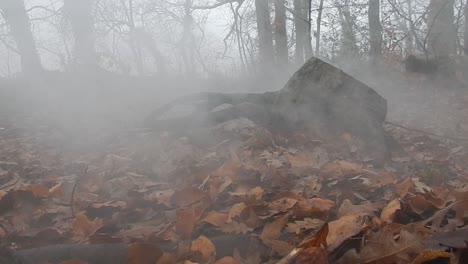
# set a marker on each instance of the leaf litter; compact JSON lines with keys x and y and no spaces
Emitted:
{"x":246,"y":197}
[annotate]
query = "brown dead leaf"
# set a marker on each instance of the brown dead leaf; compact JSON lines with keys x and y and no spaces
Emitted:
{"x":83,"y":227}
{"x":300,"y":160}
{"x":227,"y":260}
{"x":402,"y":188}
{"x":215,"y":218}
{"x":418,"y":203}
{"x":272,"y":231}
{"x":235,"y":211}
{"x":367,"y":208}
{"x":341,"y":168}
{"x":388,"y":212}
{"x":319,"y":239}
{"x":386,"y":247}
{"x":189,"y":196}
{"x":236,"y":228}
{"x":302,"y":225}
{"x":186,"y":220}
{"x":143,"y":253}
{"x":454,"y":239}
{"x":38,"y":190}
{"x":282,"y":204}
{"x":313,"y":207}
{"x":430,"y":256}
{"x":316,"y":255}
{"x":206,"y":248}
{"x":167,"y":258}
{"x":3,"y":232}
{"x":342,"y":229}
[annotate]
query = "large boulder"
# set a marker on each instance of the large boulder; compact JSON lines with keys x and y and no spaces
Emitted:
{"x":319,"y":98}
{"x":325,"y":100}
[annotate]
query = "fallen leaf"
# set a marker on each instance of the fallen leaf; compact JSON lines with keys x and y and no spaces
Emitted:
{"x":342,"y":229}
{"x":430,"y":256}
{"x":83,"y":227}
{"x":402,"y":188}
{"x":388,"y":212}
{"x":207,"y":249}
{"x":227,"y":260}
{"x":186,"y":221}
{"x":215,"y":218}
{"x":143,"y":253}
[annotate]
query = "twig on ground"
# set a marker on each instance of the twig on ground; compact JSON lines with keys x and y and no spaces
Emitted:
{"x":72,"y":199}
{"x":427,"y":133}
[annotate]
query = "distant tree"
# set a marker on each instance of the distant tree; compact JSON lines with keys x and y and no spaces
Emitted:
{"x":348,"y":38}
{"x":17,"y":18}
{"x":265,"y":34}
{"x":301,"y":26}
{"x":375,"y":29}
{"x":465,"y":39}
{"x":441,"y":36}
{"x":78,"y":12}
{"x":319,"y":28}
{"x":281,"y":39}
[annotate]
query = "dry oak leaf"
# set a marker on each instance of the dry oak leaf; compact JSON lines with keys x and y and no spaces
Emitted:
{"x":318,"y":239}
{"x":216,"y":218}
{"x":313,"y":207}
{"x":167,"y":258}
{"x":300,"y":160}
{"x":418,"y":203}
{"x":186,"y":221}
{"x":386,"y":247}
{"x":272,"y":230}
{"x":189,"y":196}
{"x":227,"y":260}
{"x":143,"y":253}
{"x":235,"y":211}
{"x":83,"y":227}
{"x":454,"y":239}
{"x":402,"y":188}
{"x":367,"y":208}
{"x":315,"y":255}
{"x":342,"y":229}
{"x":388,"y":212}
{"x":301,"y":225}
{"x":282,"y":204}
{"x":428,"y":256}
{"x":341,"y":168}
{"x":207,"y":249}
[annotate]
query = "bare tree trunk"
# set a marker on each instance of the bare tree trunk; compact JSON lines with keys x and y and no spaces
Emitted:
{"x":348,"y":47}
{"x":308,"y":43}
{"x":79,"y":14}
{"x":409,"y":41}
{"x":465,"y":37}
{"x":319,"y":28}
{"x":281,"y":39}
{"x":265,"y":35}
{"x":375,"y":29}
{"x":441,"y":36}
{"x":15,"y":15}
{"x":300,"y":27}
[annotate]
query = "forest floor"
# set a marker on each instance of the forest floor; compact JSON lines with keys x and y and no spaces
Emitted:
{"x":249,"y":196}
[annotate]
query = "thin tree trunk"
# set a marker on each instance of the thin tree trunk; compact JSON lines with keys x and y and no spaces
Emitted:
{"x":349,"y":47}
{"x":409,"y":42}
{"x":265,"y":34}
{"x":308,"y":45}
{"x":465,"y":37}
{"x":82,"y":23}
{"x":15,"y":15}
{"x":319,"y":28}
{"x":375,"y":29}
{"x":281,"y":39}
{"x":441,"y":36}
{"x":300,"y":27}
